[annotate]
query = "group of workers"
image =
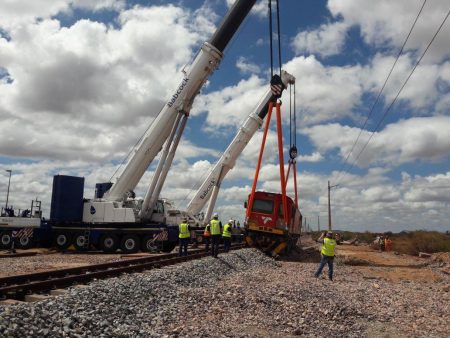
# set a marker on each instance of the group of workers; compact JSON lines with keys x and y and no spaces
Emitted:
{"x":213,"y":233}
{"x":384,"y":243}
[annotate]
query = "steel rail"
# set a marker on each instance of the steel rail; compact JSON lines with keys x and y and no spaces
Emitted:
{"x":17,"y":287}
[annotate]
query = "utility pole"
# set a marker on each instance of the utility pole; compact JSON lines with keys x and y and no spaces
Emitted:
{"x":329,"y":204}
{"x":9,"y":183}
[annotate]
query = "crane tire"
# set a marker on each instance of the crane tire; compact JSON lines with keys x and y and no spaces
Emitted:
{"x":109,"y":243}
{"x":130,"y":244}
{"x":24,"y":242}
{"x":62,"y":241}
{"x":5,"y":239}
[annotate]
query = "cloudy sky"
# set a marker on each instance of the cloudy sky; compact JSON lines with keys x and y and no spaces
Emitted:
{"x":80,"y":81}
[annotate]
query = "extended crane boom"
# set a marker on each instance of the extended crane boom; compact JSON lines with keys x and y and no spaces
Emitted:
{"x":181,"y":101}
{"x":209,"y":189}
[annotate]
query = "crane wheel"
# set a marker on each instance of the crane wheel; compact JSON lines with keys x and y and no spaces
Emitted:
{"x":5,"y":239}
{"x":61,"y":241}
{"x":24,"y":242}
{"x":80,"y":242}
{"x":168,"y":246}
{"x":130,"y":244}
{"x":109,"y":243}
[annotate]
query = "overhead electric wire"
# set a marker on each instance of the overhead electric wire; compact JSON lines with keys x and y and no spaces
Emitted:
{"x":399,"y":92}
{"x":382,"y":88}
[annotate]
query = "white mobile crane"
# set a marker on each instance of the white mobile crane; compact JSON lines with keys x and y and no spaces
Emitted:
{"x":117,"y":206}
{"x":209,"y":189}
{"x":118,"y":219}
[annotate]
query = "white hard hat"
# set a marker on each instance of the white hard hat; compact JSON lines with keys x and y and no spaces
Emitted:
{"x":216,"y":215}
{"x":230,"y":221}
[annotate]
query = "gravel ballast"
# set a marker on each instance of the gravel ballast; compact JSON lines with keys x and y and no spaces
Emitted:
{"x":241,"y":294}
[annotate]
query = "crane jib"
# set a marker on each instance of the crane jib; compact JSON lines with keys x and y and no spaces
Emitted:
{"x":178,"y":92}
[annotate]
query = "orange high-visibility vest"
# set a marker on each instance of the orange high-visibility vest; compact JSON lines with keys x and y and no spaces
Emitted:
{"x":207,"y":232}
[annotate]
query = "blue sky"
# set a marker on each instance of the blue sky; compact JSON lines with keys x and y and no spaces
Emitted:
{"x":81,"y":80}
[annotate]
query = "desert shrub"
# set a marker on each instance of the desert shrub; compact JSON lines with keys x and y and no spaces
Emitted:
{"x":421,"y":241}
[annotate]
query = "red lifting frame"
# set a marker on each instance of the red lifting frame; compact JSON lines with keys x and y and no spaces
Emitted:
{"x":281,"y":160}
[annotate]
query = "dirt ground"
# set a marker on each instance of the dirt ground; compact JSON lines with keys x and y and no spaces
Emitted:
{"x":390,"y":266}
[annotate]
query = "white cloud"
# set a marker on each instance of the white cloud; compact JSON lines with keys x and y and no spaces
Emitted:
{"x":327,"y":40}
{"x":231,"y":105}
{"x":314,"y":157}
{"x":325,"y":93}
{"x":386,"y":22}
{"x":414,"y":139}
{"x":246,"y":67}
{"x":14,"y":14}
{"x":92,"y":82}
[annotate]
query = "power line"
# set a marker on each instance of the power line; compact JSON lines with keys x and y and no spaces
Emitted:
{"x":381,"y":90}
{"x":398,"y":93}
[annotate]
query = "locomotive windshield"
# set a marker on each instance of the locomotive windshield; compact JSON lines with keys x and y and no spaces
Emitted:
{"x":263,"y":206}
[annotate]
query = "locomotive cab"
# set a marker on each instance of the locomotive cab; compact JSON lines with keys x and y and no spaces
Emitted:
{"x":266,"y":215}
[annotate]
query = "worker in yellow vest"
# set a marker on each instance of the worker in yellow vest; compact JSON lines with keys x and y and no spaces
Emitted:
{"x":226,"y":235}
{"x":184,"y":235}
{"x":207,"y":236}
{"x":216,"y":233}
{"x":328,"y":245}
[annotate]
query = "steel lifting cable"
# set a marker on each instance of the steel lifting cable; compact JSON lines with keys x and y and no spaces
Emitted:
{"x":271,"y":37}
{"x":290,"y":115}
{"x":279,"y":36}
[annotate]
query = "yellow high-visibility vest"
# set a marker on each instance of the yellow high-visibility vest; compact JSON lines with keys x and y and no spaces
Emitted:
{"x":226,"y":230}
{"x":328,"y":246}
{"x":184,"y":231}
{"x":215,"y":227}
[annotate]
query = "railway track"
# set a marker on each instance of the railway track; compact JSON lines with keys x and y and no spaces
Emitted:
{"x":16,"y":287}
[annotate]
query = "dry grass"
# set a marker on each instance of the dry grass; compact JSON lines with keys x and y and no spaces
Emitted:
{"x":421,"y":241}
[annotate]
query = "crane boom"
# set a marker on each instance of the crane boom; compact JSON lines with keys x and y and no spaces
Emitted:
{"x":209,"y":188}
{"x":181,"y":101}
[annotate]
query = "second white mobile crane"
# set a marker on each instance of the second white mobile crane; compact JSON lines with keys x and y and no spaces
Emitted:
{"x":209,"y":189}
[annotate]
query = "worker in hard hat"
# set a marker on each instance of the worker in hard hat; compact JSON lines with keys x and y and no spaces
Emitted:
{"x":216,"y":233}
{"x":184,"y":235}
{"x":328,"y":245}
{"x":226,"y":235}
{"x":207,"y":236}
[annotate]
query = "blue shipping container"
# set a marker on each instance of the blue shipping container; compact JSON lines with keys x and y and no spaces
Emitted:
{"x":67,"y":199}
